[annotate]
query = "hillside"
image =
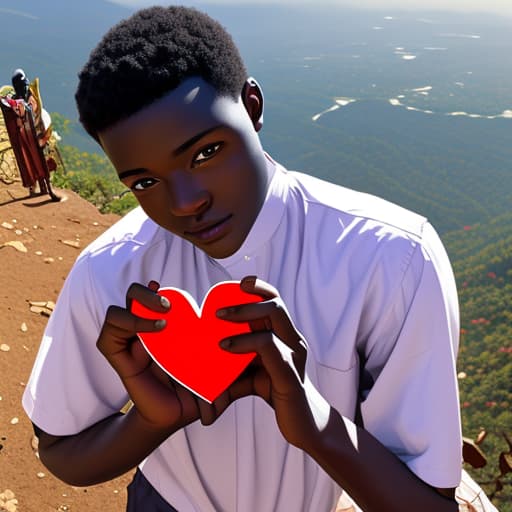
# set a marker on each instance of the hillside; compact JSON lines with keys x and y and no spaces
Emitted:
{"x":52,"y":234}
{"x":482,"y":261}
{"x":454,"y":170}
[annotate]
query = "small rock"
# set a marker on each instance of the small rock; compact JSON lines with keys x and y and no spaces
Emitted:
{"x":41,"y":474}
{"x":462,"y":375}
{"x":17,"y":245}
{"x":26,"y":348}
{"x":41,"y":307}
{"x":24,"y":327}
{"x":38,"y":253}
{"x":4,"y":347}
{"x":76,"y":221}
{"x":7,"y":495}
{"x":6,"y":225}
{"x":95,"y":223}
{"x":39,"y":303}
{"x":48,"y":260}
{"x":60,"y":258}
{"x":34,"y":443}
{"x":15,"y":421}
{"x":10,"y":506}
{"x":40,"y":310}
{"x":14,"y":221}
{"x":71,"y":243}
{"x":8,"y":501}
{"x":26,"y":230}
{"x":19,"y":232}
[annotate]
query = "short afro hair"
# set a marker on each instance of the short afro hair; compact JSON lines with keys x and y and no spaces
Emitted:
{"x":151,"y":53}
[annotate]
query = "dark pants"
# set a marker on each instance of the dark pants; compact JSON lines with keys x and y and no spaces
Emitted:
{"x":142,"y":497}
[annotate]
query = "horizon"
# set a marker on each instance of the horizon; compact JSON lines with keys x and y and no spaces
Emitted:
{"x":499,"y":7}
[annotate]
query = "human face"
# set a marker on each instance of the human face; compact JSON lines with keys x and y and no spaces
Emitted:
{"x":195,"y":163}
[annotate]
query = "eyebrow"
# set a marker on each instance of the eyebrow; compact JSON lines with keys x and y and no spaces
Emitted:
{"x":176,"y":152}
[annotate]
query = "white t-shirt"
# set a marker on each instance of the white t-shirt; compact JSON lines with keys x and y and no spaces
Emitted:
{"x":366,"y":282}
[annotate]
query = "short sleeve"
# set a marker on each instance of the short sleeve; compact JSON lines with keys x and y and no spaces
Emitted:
{"x":72,"y":386}
{"x":412,"y":404}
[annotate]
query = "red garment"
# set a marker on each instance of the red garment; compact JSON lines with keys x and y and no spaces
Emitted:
{"x":22,"y":135}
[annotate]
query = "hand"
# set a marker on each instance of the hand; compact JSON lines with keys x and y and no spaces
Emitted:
{"x":278,"y":374}
{"x":162,"y":403}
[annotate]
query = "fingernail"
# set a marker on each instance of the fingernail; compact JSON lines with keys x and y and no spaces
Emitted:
{"x":226,"y":343}
{"x":222,"y":313}
{"x":160,"y":324}
{"x":164,"y":301}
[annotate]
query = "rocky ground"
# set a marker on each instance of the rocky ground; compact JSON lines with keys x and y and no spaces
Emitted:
{"x":39,"y":241}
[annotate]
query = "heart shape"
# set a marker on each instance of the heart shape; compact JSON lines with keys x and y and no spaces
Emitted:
{"x":188,"y":347}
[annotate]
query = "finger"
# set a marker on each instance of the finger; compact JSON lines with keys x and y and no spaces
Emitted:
{"x":147,"y":296}
{"x":251,"y":284}
{"x":277,"y":358}
{"x":188,"y":402}
{"x":207,"y":412}
{"x":161,"y":375}
{"x":222,"y":403}
{"x":153,"y":285}
{"x":271,"y":314}
{"x":121,"y":323}
{"x":118,"y":339}
{"x":254,"y":380}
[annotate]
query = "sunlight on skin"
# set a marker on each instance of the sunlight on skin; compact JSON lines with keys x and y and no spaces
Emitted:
{"x":352,"y":432}
{"x":319,"y":406}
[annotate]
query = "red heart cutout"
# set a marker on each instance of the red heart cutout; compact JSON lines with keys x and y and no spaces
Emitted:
{"x":188,"y":347}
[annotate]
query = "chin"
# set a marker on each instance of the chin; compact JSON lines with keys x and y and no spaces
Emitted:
{"x":222,"y":248}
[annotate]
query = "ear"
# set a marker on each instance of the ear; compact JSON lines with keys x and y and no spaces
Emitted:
{"x":252,"y":97}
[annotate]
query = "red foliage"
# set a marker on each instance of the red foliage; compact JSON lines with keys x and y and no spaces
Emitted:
{"x":480,"y":321}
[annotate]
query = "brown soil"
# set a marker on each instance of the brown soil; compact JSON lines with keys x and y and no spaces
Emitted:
{"x":52,"y":235}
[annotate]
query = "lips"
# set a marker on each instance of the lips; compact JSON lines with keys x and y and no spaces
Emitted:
{"x":209,"y":232}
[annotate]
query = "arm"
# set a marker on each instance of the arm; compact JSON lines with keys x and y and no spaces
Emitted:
{"x":355,"y":459}
{"x":377,"y":479}
{"x":119,"y":442}
{"x":102,"y":452}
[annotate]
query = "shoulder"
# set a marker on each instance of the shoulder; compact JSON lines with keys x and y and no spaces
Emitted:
{"x":123,"y":253}
{"x":134,"y":232}
{"x":379,"y":249}
{"x":354,"y":206}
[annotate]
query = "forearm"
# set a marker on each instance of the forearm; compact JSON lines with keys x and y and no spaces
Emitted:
{"x":376,"y":479}
{"x":102,"y":452}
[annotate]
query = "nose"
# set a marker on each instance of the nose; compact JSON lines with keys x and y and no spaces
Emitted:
{"x":187,"y":195}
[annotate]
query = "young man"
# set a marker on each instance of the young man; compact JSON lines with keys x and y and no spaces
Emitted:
{"x":354,"y":386}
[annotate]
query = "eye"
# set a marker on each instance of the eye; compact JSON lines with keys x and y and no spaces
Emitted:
{"x":143,"y":183}
{"x":206,"y":153}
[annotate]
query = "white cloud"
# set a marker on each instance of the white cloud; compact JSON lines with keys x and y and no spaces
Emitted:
{"x":495,"y":6}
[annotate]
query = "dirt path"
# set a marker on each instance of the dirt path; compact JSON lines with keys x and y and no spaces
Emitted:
{"x":43,"y":240}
